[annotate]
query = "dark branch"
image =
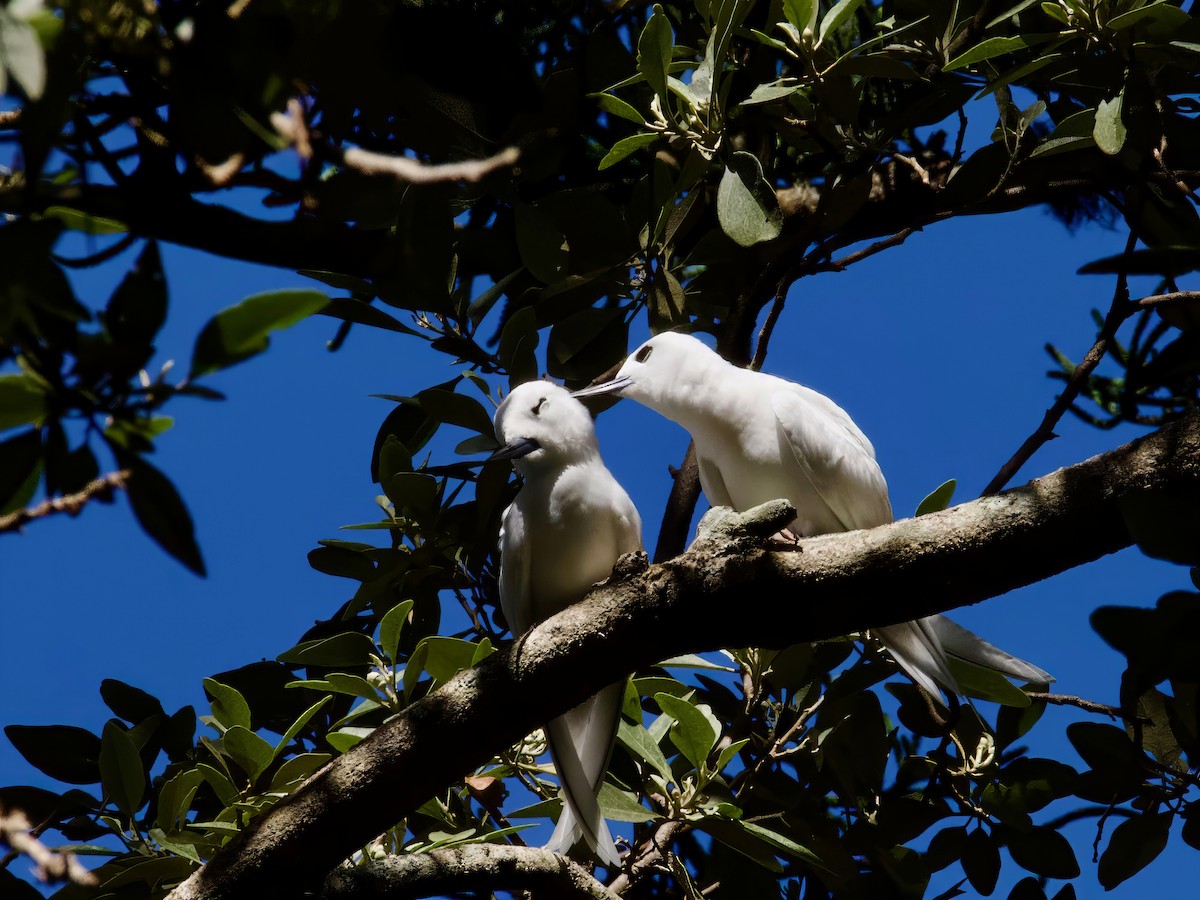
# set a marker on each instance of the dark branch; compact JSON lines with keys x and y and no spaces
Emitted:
{"x":478,"y":867}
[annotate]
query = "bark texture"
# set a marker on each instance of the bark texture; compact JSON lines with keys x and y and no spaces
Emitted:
{"x":732,"y":588}
{"x":480,"y":867}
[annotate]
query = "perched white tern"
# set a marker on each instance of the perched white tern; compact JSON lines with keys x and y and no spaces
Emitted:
{"x":760,"y":438}
{"x":565,"y":530}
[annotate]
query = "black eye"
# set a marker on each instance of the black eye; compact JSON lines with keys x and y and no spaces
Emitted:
{"x":537,"y":409}
{"x":643,"y":354}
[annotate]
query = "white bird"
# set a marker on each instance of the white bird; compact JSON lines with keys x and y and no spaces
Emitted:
{"x":565,"y":530}
{"x":760,"y":438}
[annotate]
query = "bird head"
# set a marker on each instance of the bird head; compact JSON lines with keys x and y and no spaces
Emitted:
{"x":661,"y":373}
{"x":540,"y":423}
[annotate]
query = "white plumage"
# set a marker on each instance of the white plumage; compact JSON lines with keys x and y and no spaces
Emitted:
{"x":760,"y":438}
{"x":566,"y":529}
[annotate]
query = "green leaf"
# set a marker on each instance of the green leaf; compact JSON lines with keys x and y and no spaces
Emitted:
{"x":20,"y":470}
{"x":1109,"y":131}
{"x":130,"y":703}
{"x":414,"y":493}
{"x":160,"y":510}
{"x":986,"y":684}
{"x":456,"y":409}
{"x":625,"y":146}
{"x":726,"y":755}
{"x":1164,"y":524}
{"x":937,"y":499}
{"x":346,"y":650}
{"x":480,"y":305}
{"x":637,"y":740}
{"x":63,"y":752}
{"x":655,"y":45}
{"x":518,"y":346}
{"x":362,"y":313}
{"x":443,"y":658}
{"x":802,"y":13}
{"x":187,"y":851}
{"x":225,"y":790}
{"x":298,"y":725}
{"x":618,"y":107}
{"x":542,"y":245}
{"x":1027,"y":889}
{"x":997,"y":46}
{"x":746,"y":204}
{"x":621,"y":806}
{"x":249,"y":751}
{"x":345,"y":738}
{"x":240,"y":332}
{"x":786,"y":846}
{"x":1135,"y":843}
{"x":229,"y":707}
{"x":981,"y":861}
{"x":137,"y":309}
{"x":121,"y":772}
{"x":175,"y":799}
{"x":77,"y":220}
{"x":391,"y":626}
{"x":694,"y":733}
{"x":295,"y":770}
{"x":836,"y":16}
{"x":22,"y":401}
{"x":1042,"y":851}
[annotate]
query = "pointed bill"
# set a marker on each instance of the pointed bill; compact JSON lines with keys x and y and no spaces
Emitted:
{"x":615,"y":386}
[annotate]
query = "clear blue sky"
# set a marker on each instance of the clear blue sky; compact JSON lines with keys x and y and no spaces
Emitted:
{"x":935,"y":348}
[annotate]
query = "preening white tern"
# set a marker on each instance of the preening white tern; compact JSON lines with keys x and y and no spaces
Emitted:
{"x":760,"y":438}
{"x":566,"y":529}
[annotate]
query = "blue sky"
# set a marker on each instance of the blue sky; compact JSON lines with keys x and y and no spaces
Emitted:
{"x":935,"y":349}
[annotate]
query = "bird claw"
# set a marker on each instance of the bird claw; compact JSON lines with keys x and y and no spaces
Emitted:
{"x":723,"y":523}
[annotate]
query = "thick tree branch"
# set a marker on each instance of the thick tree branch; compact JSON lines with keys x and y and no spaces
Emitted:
{"x":478,"y":867}
{"x":725,"y":591}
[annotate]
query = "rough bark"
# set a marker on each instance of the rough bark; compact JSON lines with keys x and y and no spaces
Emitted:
{"x":732,"y":588}
{"x":480,"y":867}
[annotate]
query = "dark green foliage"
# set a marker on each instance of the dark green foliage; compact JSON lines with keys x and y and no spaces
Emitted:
{"x":683,"y":162}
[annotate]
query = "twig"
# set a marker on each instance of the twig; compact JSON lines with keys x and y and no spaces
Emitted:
{"x":1118,"y":312}
{"x":100,"y":489}
{"x":651,"y":854}
{"x":894,"y":240}
{"x":1169,"y":299}
{"x":50,"y":866}
{"x":10,"y":118}
{"x":402,"y":168}
{"x":764,"y":336}
{"x":1113,"y":712}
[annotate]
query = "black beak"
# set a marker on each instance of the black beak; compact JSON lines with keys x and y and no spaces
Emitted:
{"x":515,"y":449}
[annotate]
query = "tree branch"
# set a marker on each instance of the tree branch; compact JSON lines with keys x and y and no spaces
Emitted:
{"x":102,"y":488}
{"x":293,"y":129}
{"x":50,"y":866}
{"x":1119,"y":310}
{"x":729,"y":590}
{"x":477,"y":867}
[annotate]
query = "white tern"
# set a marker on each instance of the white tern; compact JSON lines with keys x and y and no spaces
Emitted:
{"x":760,"y":438}
{"x":563,"y":533}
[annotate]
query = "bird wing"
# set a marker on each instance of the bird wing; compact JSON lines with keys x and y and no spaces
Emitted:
{"x":515,"y":560}
{"x":963,"y":644}
{"x":835,"y":457}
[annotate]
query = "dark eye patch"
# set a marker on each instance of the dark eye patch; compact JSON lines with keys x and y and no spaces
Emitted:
{"x":643,"y":354}
{"x":538,"y":408}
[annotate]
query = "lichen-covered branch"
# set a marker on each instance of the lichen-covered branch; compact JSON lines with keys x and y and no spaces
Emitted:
{"x":730,"y":589}
{"x":478,"y":867}
{"x":101,"y":488}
